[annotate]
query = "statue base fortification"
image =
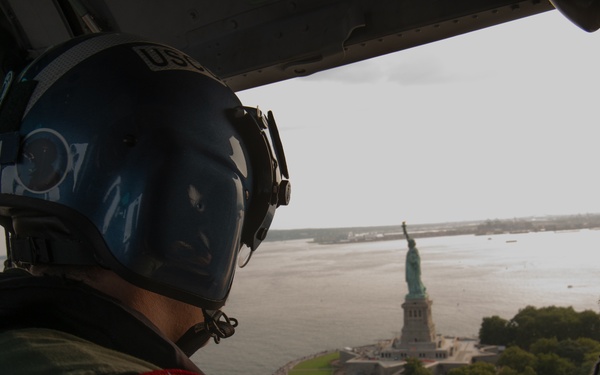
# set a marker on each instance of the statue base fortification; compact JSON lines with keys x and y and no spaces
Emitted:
{"x":418,"y":329}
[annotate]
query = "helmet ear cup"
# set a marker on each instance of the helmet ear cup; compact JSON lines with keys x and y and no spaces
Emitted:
{"x":269,"y":190}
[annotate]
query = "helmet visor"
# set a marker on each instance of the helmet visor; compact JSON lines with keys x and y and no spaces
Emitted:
{"x":189,"y":228}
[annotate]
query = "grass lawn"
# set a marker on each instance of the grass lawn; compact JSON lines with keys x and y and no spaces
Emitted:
{"x":316,"y":366}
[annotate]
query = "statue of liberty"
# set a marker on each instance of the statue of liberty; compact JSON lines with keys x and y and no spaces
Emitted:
{"x":416,"y":289}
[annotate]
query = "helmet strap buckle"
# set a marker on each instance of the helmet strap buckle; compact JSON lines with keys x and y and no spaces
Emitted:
{"x":216,"y":325}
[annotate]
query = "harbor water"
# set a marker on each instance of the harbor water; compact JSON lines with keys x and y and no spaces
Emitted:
{"x":296,"y":298}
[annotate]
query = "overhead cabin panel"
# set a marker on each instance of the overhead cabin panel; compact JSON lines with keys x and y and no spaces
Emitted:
{"x":253,"y":42}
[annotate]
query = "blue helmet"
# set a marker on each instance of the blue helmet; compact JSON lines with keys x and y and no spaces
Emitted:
{"x":131,"y":155}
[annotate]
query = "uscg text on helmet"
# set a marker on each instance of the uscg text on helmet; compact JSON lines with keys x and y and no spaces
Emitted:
{"x":159,"y":58}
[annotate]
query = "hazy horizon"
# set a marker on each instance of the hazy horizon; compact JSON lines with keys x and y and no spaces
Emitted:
{"x":441,"y":222}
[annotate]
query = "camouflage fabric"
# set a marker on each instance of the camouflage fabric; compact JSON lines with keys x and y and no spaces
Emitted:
{"x":44,"y":351}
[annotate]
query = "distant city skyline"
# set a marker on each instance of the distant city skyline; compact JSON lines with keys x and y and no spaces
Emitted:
{"x":496,"y":123}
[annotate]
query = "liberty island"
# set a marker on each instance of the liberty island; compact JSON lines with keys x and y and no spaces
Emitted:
{"x":418,"y":338}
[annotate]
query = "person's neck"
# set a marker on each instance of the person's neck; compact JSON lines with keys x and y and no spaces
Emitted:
{"x":173,"y":318}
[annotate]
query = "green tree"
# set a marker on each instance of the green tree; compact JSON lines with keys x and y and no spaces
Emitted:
{"x":559,"y":339}
{"x":516,"y":358}
{"x":552,"y":364}
{"x":414,"y":367}
{"x":591,"y":348}
{"x":589,"y":325}
{"x":531,"y":324}
{"x":523,"y":326}
{"x":494,"y":331}
{"x":577,"y":351}
{"x":507,"y":371}
{"x":477,"y":368}
{"x":559,"y":322}
{"x":544,"y":345}
{"x":585,"y":368}
{"x":528,"y":371}
{"x":573,"y":350}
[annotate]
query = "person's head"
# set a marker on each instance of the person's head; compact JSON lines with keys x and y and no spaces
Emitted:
{"x":131,"y":156}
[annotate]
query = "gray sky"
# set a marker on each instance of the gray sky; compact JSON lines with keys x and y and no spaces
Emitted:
{"x":498,"y":123}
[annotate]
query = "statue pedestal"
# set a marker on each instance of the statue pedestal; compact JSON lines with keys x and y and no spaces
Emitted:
{"x":418,"y":330}
{"x":418,"y":339}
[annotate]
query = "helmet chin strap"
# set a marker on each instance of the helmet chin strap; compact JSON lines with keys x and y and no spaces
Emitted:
{"x":216,"y":325}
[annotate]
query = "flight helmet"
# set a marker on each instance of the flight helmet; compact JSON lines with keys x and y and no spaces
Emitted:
{"x":130,"y":155}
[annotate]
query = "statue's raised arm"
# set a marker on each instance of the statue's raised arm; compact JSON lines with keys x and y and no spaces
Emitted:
{"x":404,"y":230}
